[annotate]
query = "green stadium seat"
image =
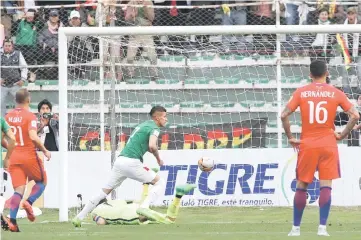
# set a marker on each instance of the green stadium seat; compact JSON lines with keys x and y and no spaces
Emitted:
{"x":195,"y":104}
{"x":79,"y":82}
{"x":275,"y":145}
{"x":230,"y":80}
{"x":34,"y":106}
{"x":239,"y":57}
{"x":275,"y":104}
{"x":164,"y":104}
{"x":257,"y":104}
{"x":258,"y":80}
{"x":170,"y":58}
{"x":201,"y":58}
{"x":138,"y":81}
{"x":272,"y":124}
{"x":167,"y":81}
{"x":269,"y":56}
{"x":291,"y":79}
{"x":227,"y":56}
{"x":222,"y":104}
{"x":75,"y":105}
{"x":197,"y":81}
{"x":129,"y":125}
{"x":46,"y":82}
{"x":132,"y":105}
{"x":10,"y":106}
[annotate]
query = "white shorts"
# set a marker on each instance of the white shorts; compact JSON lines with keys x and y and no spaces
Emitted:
{"x":124,"y":168}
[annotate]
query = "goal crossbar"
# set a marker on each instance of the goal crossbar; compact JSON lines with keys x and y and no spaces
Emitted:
{"x":204,"y":30}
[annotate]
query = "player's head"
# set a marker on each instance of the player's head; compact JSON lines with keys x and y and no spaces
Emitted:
{"x":318,"y":71}
{"x":159,"y":115}
{"x":45,"y":106}
{"x":22,"y":97}
{"x":99,"y":220}
{"x":8,"y":45}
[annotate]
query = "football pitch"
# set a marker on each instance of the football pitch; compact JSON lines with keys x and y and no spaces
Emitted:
{"x":200,"y":223}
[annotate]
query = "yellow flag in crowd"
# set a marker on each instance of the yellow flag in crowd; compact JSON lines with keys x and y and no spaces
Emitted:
{"x":345,"y":51}
{"x":332,"y":9}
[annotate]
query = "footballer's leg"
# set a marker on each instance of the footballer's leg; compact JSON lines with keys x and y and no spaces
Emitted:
{"x":116,"y":178}
{"x":18,"y":178}
{"x":305,"y":170}
{"x":135,"y":170}
{"x":145,"y":191}
{"x":35,"y":171}
{"x":173,"y":209}
{"x":329,"y":169}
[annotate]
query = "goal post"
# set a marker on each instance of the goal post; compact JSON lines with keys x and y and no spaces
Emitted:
{"x":105,"y":32}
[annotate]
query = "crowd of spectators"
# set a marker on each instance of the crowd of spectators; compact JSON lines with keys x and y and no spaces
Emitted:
{"x":34,"y":31}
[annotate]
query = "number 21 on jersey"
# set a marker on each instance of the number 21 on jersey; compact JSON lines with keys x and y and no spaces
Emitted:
{"x":18,"y":132}
{"x":315,"y":112}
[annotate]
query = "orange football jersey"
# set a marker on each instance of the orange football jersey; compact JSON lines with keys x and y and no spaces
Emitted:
{"x":318,"y":103}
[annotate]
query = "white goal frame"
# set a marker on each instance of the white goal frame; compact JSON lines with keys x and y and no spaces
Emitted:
{"x":160,"y":30}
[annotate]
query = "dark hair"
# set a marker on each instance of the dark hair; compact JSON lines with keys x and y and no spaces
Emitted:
{"x":322,"y":10}
{"x":8,"y":40}
{"x":318,"y":68}
{"x":45,"y":102}
{"x":156,"y":109}
{"x":21,"y":96}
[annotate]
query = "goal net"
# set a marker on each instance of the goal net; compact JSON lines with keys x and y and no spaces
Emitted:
{"x":223,"y":87}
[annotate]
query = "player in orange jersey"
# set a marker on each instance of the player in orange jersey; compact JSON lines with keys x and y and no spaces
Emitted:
{"x":24,"y":162}
{"x":317,"y":149}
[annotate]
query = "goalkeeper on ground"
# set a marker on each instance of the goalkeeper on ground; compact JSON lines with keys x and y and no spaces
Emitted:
{"x":121,"y":212}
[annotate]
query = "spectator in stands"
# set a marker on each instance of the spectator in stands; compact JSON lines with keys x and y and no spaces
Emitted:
{"x":236,"y":15}
{"x":48,"y":42}
{"x":141,"y":16}
{"x":80,"y":50}
{"x":352,"y":41}
{"x":6,"y":17}
{"x":74,"y":19}
{"x":112,"y":48}
{"x":2,"y":36}
{"x":12,"y":79}
{"x":26,"y":31}
{"x":93,"y":41}
{"x":263,"y":15}
{"x":321,"y":47}
{"x":48,"y":129}
{"x":202,"y":16}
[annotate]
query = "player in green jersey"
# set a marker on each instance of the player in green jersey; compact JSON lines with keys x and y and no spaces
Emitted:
{"x":9,"y":144}
{"x":129,"y":164}
{"x":121,"y":212}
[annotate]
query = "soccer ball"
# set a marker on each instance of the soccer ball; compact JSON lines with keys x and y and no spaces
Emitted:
{"x":206,"y":164}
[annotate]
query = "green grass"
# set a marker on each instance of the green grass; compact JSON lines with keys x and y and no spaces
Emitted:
{"x":200,"y":223}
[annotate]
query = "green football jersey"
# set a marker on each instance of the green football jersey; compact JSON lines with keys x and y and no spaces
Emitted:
{"x":4,"y":128}
{"x":138,"y":142}
{"x":118,"y":212}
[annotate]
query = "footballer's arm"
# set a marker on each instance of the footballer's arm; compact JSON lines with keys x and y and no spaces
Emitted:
{"x":153,"y":148}
{"x":38,"y":144}
{"x":286,"y":122}
{"x":353,"y":117}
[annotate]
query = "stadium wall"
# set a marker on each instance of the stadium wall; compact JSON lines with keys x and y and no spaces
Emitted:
{"x":243,"y":177}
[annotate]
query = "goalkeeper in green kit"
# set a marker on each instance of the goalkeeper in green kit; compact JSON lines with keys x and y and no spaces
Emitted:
{"x":121,"y":212}
{"x":129,"y":164}
{"x":9,"y":144}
